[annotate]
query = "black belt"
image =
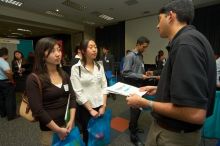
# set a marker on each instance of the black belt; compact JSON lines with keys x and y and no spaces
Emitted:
{"x":169,"y":128}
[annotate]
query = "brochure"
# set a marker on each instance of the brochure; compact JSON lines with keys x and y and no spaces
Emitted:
{"x":67,"y":113}
{"x":124,"y":89}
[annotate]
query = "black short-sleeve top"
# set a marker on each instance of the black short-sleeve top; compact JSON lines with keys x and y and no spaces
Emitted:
{"x":188,"y":77}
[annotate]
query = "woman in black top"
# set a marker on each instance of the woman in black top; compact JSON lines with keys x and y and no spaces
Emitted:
{"x":20,"y":70}
{"x":49,"y":106}
{"x":160,"y":60}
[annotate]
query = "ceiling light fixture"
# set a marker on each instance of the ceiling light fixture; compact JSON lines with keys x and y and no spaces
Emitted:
{"x":57,"y":10}
{"x":15,"y":33}
{"x":12,"y":36}
{"x":12,"y":2}
{"x":106,"y":17}
{"x":89,"y":22}
{"x":25,"y":30}
{"x":74,"y":5}
{"x":54,"y":13}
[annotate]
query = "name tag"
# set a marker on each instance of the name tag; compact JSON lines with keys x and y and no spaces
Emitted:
{"x":66,"y":87}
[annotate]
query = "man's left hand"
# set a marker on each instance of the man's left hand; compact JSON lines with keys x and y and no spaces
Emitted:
{"x":134,"y":100}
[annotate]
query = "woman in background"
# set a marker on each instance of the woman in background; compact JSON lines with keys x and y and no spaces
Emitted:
{"x":20,"y":70}
{"x":160,"y":60}
{"x":89,"y":82}
{"x":48,"y":104}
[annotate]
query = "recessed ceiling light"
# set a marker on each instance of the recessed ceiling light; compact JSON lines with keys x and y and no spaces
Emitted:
{"x":12,"y":36}
{"x":54,"y":13}
{"x":89,"y":22}
{"x":15,"y":33}
{"x":26,"y":30}
{"x":106,"y":17}
{"x":74,"y":5}
{"x":57,"y":10}
{"x":13,"y":2}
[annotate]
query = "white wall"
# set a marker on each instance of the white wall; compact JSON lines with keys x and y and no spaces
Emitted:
{"x":145,"y":27}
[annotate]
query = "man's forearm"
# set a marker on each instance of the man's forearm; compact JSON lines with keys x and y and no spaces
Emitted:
{"x":9,"y":74}
{"x":186,"y":114}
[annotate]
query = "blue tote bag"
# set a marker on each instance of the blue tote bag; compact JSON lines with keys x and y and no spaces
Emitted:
{"x":73,"y":139}
{"x":99,"y":130}
{"x":211,"y":127}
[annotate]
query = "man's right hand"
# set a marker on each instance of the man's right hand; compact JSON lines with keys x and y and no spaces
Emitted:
{"x":150,"y":90}
{"x":145,"y":77}
{"x":149,"y":73}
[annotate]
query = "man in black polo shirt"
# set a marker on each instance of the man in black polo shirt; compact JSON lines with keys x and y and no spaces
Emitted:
{"x":187,"y":82}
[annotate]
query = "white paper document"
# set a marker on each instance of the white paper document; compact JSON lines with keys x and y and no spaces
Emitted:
{"x":124,"y":89}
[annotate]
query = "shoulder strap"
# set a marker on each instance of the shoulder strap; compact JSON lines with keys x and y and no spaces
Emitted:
{"x":98,"y":65}
{"x":38,"y":82}
{"x":79,"y":71}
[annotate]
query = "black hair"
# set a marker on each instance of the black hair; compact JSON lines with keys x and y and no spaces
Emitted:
{"x":184,"y":10}
{"x":22,"y":56}
{"x":106,"y":48}
{"x":3,"y":51}
{"x":83,"y":47}
{"x":142,"y":40}
{"x":160,"y":53}
{"x":40,"y":68}
{"x":128,"y":51}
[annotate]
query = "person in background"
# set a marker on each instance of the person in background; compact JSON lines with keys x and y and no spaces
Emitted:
{"x":108,"y":60}
{"x":7,"y":88}
{"x":48,"y":102}
{"x":160,"y":60}
{"x":218,"y":70}
{"x":122,"y":60}
{"x":20,"y":70}
{"x":76,"y":56}
{"x":187,"y":84}
{"x":30,"y":58}
{"x":89,"y":82}
{"x":134,"y":74}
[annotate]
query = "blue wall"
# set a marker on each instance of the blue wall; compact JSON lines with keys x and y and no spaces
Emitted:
{"x":25,"y":47}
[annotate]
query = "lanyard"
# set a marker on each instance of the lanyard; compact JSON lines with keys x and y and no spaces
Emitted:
{"x":19,"y":63}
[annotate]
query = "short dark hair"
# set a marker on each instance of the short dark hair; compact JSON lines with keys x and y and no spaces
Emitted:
{"x":142,"y":40}
{"x":3,"y":51}
{"x":128,"y":51}
{"x":184,"y":10}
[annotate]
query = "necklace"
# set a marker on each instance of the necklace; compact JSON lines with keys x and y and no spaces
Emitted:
{"x":19,"y":66}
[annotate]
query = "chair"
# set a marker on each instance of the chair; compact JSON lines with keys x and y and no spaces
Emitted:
{"x":110,"y":78}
